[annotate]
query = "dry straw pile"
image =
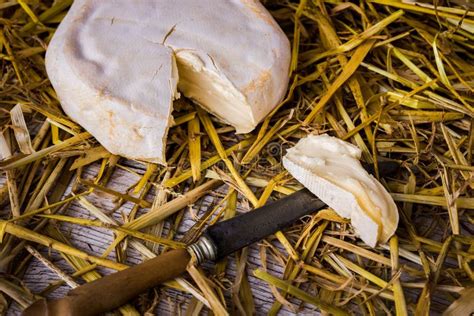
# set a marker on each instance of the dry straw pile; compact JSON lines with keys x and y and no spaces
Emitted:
{"x":394,"y":78}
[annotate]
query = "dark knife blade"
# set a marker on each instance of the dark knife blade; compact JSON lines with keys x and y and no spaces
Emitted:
{"x":238,"y":232}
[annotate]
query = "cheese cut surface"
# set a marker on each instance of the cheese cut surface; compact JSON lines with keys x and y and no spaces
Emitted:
{"x":330,"y":168}
{"x":117,"y":66}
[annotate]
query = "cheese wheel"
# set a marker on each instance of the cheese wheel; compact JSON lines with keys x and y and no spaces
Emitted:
{"x":117,"y":66}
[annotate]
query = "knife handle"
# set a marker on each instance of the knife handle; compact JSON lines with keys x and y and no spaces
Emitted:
{"x":114,"y":290}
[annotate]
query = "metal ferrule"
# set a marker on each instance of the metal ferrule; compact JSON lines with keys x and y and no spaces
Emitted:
{"x":203,"y":249}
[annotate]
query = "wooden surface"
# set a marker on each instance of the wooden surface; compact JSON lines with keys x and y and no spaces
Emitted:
{"x":95,"y":241}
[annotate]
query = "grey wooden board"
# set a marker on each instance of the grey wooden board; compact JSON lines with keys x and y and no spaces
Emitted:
{"x":96,"y":240}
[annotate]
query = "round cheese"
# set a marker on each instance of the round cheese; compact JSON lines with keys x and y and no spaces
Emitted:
{"x":117,"y":66}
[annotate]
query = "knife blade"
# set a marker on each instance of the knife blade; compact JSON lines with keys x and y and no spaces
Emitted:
{"x":216,"y":242}
{"x":226,"y":237}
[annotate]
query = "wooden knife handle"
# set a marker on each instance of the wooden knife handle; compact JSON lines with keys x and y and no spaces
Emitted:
{"x":114,"y":290}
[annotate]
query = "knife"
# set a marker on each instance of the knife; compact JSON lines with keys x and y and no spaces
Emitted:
{"x":217,"y":242}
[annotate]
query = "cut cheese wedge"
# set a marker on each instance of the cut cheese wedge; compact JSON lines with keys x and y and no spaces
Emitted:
{"x":330,"y":168}
{"x":117,"y":66}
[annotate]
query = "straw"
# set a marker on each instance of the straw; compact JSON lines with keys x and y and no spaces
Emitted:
{"x":394,"y":78}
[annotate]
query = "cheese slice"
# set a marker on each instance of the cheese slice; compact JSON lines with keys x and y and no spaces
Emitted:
{"x":330,"y":168}
{"x":117,"y":66}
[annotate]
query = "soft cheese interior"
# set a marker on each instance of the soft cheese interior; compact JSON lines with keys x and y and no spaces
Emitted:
{"x":330,"y":168}
{"x":200,"y":81}
{"x":117,"y":67}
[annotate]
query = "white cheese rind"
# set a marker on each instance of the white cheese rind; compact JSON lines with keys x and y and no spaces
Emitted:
{"x":330,"y":168}
{"x":113,"y":66}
